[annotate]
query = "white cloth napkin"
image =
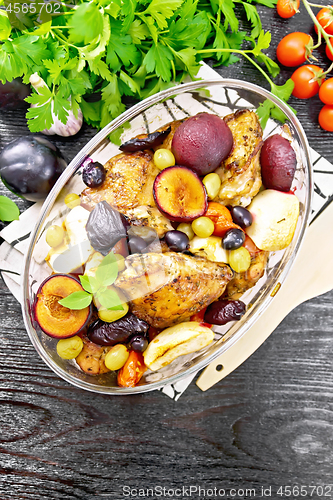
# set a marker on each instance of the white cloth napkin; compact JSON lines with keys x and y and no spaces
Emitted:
{"x":16,"y":234}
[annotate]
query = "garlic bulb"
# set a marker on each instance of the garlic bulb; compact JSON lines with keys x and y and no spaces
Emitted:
{"x":73,"y":124}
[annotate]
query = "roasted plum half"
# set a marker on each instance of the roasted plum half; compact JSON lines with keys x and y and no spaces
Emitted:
{"x":179,"y":194}
{"x":53,"y":318}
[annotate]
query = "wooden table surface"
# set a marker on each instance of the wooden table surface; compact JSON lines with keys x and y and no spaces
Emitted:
{"x":267,"y":425}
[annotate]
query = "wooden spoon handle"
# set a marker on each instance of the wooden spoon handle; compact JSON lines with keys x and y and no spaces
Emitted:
{"x":311,"y":275}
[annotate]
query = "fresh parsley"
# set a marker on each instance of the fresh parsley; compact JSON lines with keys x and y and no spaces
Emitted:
{"x":114,"y":49}
{"x":98,"y":287}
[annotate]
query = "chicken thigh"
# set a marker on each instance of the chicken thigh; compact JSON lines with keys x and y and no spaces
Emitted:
{"x":168,"y":288}
{"x":240,"y":172}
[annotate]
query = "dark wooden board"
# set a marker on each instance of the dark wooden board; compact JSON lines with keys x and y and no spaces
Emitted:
{"x":268,"y":424}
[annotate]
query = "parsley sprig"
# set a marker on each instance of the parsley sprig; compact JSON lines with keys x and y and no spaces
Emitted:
{"x":97,"y":286}
{"x":118,"y":49}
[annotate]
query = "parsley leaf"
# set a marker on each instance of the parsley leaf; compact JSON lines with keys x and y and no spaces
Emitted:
{"x":158,"y":58}
{"x":161,"y":10}
{"x":5,"y":26}
{"x":40,"y":117}
{"x":138,"y":31}
{"x":86,"y":23}
{"x":254,"y":18}
{"x":268,"y":108}
{"x":91,"y":112}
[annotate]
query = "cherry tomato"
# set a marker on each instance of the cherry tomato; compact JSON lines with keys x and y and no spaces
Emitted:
{"x":326,"y":92}
{"x":325,"y":118}
{"x":325,"y":19}
{"x":130,"y":374}
{"x":306,"y":81}
{"x":328,"y":51}
{"x":287,"y":8}
{"x":292,"y":51}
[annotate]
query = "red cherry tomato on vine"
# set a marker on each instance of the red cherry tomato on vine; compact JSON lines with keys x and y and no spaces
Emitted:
{"x":292,"y":51}
{"x":325,"y":118}
{"x":325,"y":19}
{"x":287,"y":8}
{"x":328,"y":51}
{"x":326,"y":92}
{"x":306,"y":82}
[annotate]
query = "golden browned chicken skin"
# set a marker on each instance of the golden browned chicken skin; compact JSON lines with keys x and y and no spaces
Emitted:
{"x":240,"y":172}
{"x":128,"y":188}
{"x":244,"y":281}
{"x":128,"y":184}
{"x":168,"y":288}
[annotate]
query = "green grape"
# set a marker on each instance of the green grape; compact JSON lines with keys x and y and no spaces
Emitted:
{"x":163,"y":158}
{"x":70,"y":348}
{"x":72,"y":200}
{"x":212,"y":183}
{"x":203,"y":227}
{"x":240,"y":259}
{"x":109,"y":315}
{"x":187,"y":229}
{"x":116,"y":357}
{"x":55,"y":236}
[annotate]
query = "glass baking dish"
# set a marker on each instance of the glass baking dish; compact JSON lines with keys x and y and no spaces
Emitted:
{"x":215,"y":96}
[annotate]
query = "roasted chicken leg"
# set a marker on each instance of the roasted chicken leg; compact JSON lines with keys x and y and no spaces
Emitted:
{"x":168,"y":288}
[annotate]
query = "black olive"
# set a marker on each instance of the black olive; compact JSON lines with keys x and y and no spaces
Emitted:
{"x":117,"y":332}
{"x":138,"y":343}
{"x":222,"y":311}
{"x":30,"y":166}
{"x":148,"y":141}
{"x":105,"y":227}
{"x":93,"y":174}
{"x":177,"y":241}
{"x":234,"y":238}
{"x":241,"y":216}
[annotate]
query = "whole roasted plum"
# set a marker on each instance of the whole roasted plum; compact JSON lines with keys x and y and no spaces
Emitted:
{"x":12,"y":94}
{"x":117,"y":332}
{"x":278,"y":163}
{"x":105,"y":227}
{"x":30,"y":166}
{"x":202,"y":142}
